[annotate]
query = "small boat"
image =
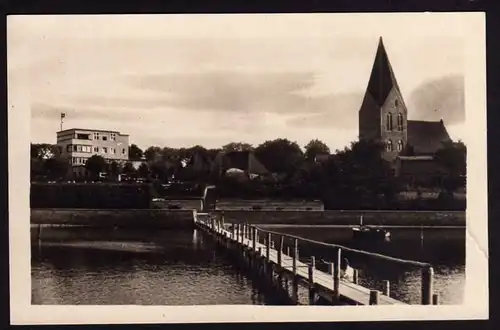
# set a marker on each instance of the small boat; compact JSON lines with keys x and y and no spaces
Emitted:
{"x":370,"y":233}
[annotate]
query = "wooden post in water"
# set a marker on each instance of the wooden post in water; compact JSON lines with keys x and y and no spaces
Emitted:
{"x":387,"y":288}
{"x":312,"y":293}
{"x":435,"y":299}
{"x":355,"y":276}
{"x":258,"y":262}
{"x":268,"y":246}
{"x":336,"y":274}
{"x":295,"y":282}
{"x":254,"y":237}
{"x":427,"y":285}
{"x":374,"y":295}
{"x":280,"y":250}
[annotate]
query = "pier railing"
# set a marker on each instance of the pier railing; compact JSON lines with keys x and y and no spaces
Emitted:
{"x":272,"y":256}
{"x":427,"y":271}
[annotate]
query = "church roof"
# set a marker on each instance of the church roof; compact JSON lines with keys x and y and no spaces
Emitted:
{"x":382,"y":78}
{"x":426,"y":137}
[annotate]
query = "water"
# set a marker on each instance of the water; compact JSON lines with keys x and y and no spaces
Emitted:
{"x":182,"y":267}
{"x":135,"y":268}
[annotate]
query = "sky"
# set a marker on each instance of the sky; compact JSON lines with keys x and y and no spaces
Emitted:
{"x":185,"y":80}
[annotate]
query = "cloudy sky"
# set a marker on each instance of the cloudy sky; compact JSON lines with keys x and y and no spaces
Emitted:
{"x":182,"y":80}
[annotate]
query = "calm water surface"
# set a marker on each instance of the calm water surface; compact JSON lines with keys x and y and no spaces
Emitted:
{"x":96,"y":266}
{"x":169,"y":268}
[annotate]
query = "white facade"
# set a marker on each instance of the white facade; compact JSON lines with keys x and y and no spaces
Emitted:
{"x":78,"y":145}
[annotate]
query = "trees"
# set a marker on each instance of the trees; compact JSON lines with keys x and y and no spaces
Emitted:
{"x":129,"y":169}
{"x":55,"y":168}
{"x":134,"y":152}
{"x":152,"y":153}
{"x":453,"y":158}
{"x":114,"y":169}
{"x":315,"y":147}
{"x":143,"y":170}
{"x":95,"y":165}
{"x":280,"y":155}
{"x":237,"y":146}
{"x":44,"y":150}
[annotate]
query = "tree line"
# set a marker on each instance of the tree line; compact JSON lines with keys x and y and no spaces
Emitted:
{"x":353,"y":175}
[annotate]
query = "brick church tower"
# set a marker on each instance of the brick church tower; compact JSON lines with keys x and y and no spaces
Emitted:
{"x":383,"y":115}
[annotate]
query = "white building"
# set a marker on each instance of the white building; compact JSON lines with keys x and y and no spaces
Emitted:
{"x":78,"y":145}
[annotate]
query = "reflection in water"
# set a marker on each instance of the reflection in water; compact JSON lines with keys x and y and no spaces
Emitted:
{"x":100,"y":266}
{"x":174,"y":268}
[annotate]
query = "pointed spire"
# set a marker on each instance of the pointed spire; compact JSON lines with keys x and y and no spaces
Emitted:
{"x":382,"y":78}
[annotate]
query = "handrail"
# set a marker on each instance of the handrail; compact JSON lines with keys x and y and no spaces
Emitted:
{"x":371,"y":254}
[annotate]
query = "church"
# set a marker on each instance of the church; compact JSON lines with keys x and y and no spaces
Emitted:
{"x":409,"y":145}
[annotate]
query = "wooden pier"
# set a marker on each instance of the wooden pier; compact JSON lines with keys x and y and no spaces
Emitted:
{"x":282,"y":270}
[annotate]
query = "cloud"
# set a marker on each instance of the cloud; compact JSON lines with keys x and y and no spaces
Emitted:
{"x":437,"y":99}
{"x":338,"y":111}
{"x":233,"y":91}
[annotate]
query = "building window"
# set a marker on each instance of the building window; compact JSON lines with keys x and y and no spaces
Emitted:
{"x":396,"y":103}
{"x":112,"y":150}
{"x":388,"y":146}
{"x":105,"y":150}
{"x":86,"y":148}
{"x":113,"y":137}
{"x":83,"y":136}
{"x":96,"y":149}
{"x":73,"y":160}
{"x":84,"y":161}
{"x":400,"y":122}
{"x":96,"y":136}
{"x":400,"y":145}
{"x":104,"y":138}
{"x":123,"y":151}
{"x":69,"y":147}
{"x":389,"y":121}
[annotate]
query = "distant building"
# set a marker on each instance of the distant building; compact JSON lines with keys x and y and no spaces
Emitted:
{"x":78,"y":145}
{"x":238,"y":161}
{"x":383,"y":117}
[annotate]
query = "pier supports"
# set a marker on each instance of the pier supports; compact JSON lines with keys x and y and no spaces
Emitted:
{"x":427,"y":285}
{"x":295,"y":282}
{"x":387,"y":288}
{"x":374,"y":297}
{"x":336,"y":275}
{"x":312,"y":292}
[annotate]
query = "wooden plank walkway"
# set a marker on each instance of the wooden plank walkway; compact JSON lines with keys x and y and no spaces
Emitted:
{"x":324,"y":284}
{"x":324,"y":281}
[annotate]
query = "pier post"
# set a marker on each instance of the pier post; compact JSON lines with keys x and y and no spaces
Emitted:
{"x":280,"y":250}
{"x":435,"y":299}
{"x":258,"y":262}
{"x":355,"y":276}
{"x":254,"y":237}
{"x":268,"y":245}
{"x":427,"y":285}
{"x":374,"y":295}
{"x":295,"y":282}
{"x":387,"y":288}
{"x":312,"y":294}
{"x":336,"y":274}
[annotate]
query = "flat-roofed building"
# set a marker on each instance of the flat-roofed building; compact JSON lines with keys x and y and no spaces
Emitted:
{"x":79,"y":144}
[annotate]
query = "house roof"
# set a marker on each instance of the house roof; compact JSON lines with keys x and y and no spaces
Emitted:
{"x":426,"y":137}
{"x":243,"y":160}
{"x":90,"y":130}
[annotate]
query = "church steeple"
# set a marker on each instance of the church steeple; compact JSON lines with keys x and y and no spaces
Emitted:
{"x":383,"y":114}
{"x":382,"y":78}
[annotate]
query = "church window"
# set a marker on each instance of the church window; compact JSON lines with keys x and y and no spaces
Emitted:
{"x":400,"y":145}
{"x":389,"y":122}
{"x":396,"y":102}
{"x":388,"y":145}
{"x":400,"y":122}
